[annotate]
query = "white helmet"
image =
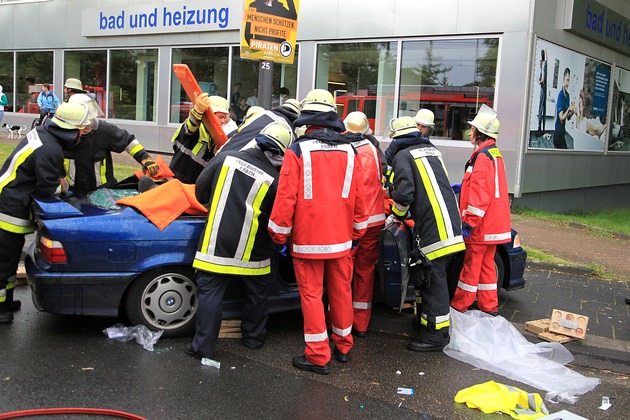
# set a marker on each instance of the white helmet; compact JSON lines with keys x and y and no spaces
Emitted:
{"x":280,"y":133}
{"x":357,"y":122}
{"x":75,"y":85}
{"x":219,"y":104}
{"x":486,"y":121}
{"x":82,"y":98}
{"x":425,"y":117}
{"x":401,"y":126}
{"x":254,"y":110}
{"x":319,"y":100}
{"x":292,"y":105}
{"x":73,"y":116}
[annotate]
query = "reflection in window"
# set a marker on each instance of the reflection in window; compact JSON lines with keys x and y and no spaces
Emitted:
{"x":32,"y":69}
{"x":361,"y":76}
{"x":210,"y":68}
{"x":91,"y":68}
{"x":133,"y":84}
{"x":452,"y":78}
{"x":6,"y":78}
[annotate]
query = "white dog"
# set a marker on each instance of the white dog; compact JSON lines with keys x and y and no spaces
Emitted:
{"x":15,"y":131}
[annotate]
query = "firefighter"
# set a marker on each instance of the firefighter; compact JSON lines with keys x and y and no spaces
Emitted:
{"x":72,"y":87}
{"x":320,"y":205}
{"x":425,"y":119}
{"x":34,"y":168}
{"x":239,"y":188}
{"x":421,"y":187}
{"x":90,"y":165}
{"x":192,"y":143}
{"x":366,"y":254}
{"x":485,"y":209}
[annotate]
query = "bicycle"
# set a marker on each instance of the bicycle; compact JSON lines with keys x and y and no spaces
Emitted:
{"x":36,"y":122}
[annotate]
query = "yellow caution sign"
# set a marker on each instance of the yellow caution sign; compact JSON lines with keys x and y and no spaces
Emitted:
{"x":269,"y":30}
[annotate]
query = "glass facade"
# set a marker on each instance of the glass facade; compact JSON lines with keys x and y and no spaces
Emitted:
{"x":91,"y":68}
{"x":33,"y":69}
{"x":6,"y":78}
{"x":133,"y":84}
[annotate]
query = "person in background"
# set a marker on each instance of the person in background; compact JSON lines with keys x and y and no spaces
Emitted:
{"x":564,"y":111}
{"x":3,"y":103}
{"x":253,"y":100}
{"x":241,"y":110}
{"x":366,"y":254}
{"x":284,"y":95}
{"x":485,"y":209}
{"x":71,"y":87}
{"x":90,"y":165}
{"x":34,"y":168}
{"x":48,"y":103}
{"x":192,"y":143}
{"x":320,"y":205}
{"x":420,"y":186}
{"x":235,"y":97}
{"x":239,"y":188}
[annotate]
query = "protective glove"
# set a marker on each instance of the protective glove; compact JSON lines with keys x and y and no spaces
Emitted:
{"x":282,"y":249}
{"x":150,"y":167}
{"x":456,"y":188}
{"x":466,"y":230}
{"x":355,"y":243}
{"x":64,"y":185}
{"x":202,"y":103}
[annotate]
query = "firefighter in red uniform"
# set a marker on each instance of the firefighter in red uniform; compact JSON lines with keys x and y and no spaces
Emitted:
{"x":485,"y":208}
{"x":421,"y":187}
{"x":366,"y":254}
{"x":320,"y":205}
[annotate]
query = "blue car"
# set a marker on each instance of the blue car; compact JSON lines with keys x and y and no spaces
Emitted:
{"x":89,"y":260}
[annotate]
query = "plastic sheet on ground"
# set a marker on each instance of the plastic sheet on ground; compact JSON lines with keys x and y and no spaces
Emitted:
{"x":493,"y":344}
{"x":141,"y":333}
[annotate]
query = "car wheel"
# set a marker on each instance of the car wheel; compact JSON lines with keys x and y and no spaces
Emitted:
{"x":499,"y":268}
{"x":164,"y":299}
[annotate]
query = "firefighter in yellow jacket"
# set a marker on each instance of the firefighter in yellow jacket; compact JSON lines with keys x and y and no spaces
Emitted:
{"x":239,"y":188}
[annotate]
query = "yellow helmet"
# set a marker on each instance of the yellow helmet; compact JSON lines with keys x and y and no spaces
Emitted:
{"x":73,"y":116}
{"x":219,"y":104}
{"x":357,"y":122}
{"x":280,"y":133}
{"x":254,"y":110}
{"x":82,"y":98}
{"x":74,"y":84}
{"x":292,"y":105}
{"x":486,"y":121}
{"x":401,"y":126}
{"x":319,"y":100}
{"x":425,"y":117}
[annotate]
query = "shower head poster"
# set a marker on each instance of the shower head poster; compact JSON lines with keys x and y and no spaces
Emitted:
{"x":569,"y":100}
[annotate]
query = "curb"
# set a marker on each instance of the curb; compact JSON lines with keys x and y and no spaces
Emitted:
{"x":602,"y":231}
{"x":562,"y":268}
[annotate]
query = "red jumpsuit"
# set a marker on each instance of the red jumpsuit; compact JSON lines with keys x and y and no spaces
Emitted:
{"x":320,"y":205}
{"x":485,"y":207}
{"x":366,"y":254}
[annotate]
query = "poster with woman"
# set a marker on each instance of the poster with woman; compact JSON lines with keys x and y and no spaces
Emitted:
{"x":569,"y":100}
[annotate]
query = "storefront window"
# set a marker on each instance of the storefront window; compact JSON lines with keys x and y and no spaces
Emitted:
{"x":91,"y":68}
{"x":361,"y":76}
{"x":6,"y":78}
{"x":210,"y":68}
{"x":245,"y":73}
{"x":33,"y":69}
{"x":452,"y":78}
{"x":133,"y":84}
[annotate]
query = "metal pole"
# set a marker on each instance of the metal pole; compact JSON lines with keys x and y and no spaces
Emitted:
{"x":265,"y":83}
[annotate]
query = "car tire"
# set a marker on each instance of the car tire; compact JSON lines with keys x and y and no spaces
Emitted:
{"x":164,"y":299}
{"x":499,"y":268}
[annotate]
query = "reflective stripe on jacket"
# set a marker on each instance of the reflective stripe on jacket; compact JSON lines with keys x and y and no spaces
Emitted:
{"x":320,"y":200}
{"x":483,"y":201}
{"x":239,"y":188}
{"x":372,"y":186}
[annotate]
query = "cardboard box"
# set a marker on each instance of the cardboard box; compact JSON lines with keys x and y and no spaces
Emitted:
{"x":555,"y":338}
{"x":568,"y":323}
{"x":538,"y":326}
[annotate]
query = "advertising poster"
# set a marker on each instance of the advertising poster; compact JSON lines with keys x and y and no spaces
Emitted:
{"x":269,"y":30}
{"x":619,"y":134}
{"x":569,"y":100}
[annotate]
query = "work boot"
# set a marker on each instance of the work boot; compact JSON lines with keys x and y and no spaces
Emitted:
{"x":5,"y":317}
{"x":10,"y":304}
{"x":300,"y":362}
{"x":341,"y":358}
{"x":420,"y":346}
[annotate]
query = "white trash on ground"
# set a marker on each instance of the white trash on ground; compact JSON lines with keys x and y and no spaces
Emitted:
{"x":141,"y":333}
{"x":493,"y":344}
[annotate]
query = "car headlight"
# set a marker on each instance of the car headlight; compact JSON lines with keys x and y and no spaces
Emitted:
{"x":517,"y":241}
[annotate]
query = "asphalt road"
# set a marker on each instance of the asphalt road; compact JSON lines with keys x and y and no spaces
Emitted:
{"x":65,"y":361}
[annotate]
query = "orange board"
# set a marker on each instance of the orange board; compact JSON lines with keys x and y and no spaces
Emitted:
{"x":190,"y":85}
